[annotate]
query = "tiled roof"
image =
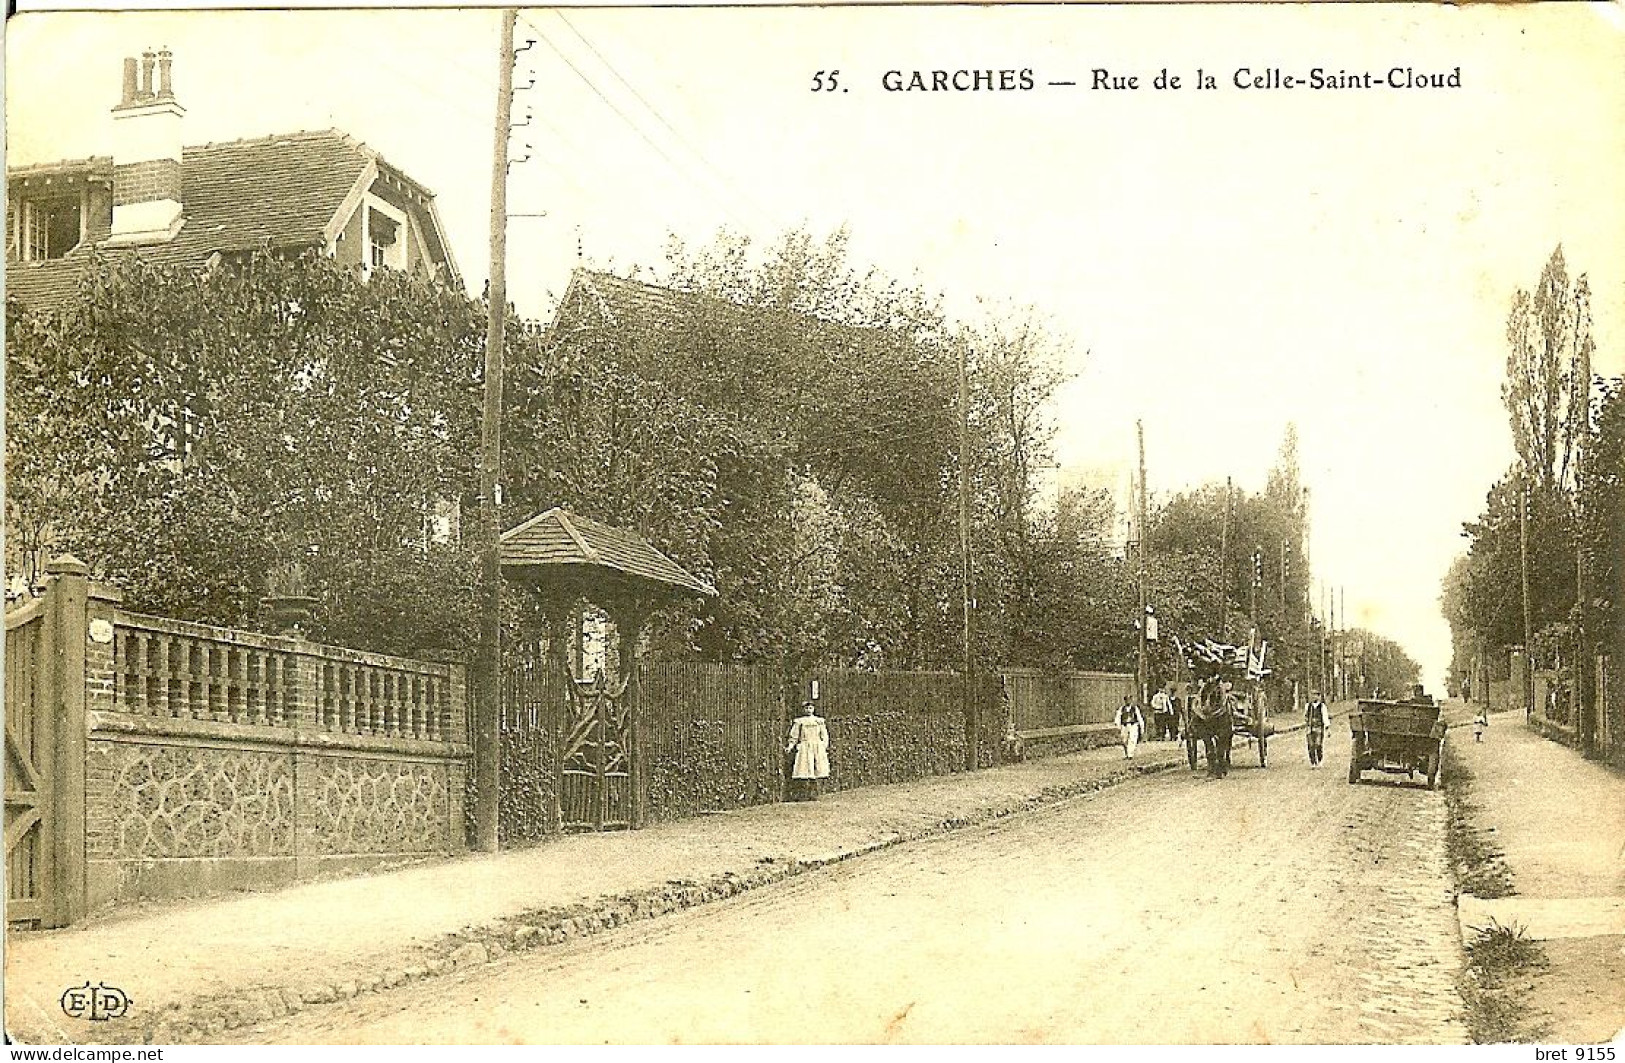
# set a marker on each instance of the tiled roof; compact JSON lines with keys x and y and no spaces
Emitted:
{"x":238,"y":196}
{"x":565,"y":540}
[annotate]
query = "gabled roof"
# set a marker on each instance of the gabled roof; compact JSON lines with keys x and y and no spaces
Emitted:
{"x":241,"y":196}
{"x":565,"y":541}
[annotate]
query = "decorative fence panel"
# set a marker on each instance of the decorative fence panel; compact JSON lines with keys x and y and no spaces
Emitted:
{"x":232,"y":759}
{"x":190,"y":758}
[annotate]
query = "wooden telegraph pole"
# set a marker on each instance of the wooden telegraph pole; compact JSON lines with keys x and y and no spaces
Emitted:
{"x":1583,"y":717}
{"x":1523,"y":564}
{"x":1142,"y":671}
{"x":1343,"y":614}
{"x":488,"y":703}
{"x":967,"y":693}
{"x":1224,"y":559}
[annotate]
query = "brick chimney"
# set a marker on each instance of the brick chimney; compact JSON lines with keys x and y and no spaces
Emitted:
{"x":147,"y":153}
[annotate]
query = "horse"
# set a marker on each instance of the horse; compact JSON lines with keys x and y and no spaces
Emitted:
{"x":1212,"y":722}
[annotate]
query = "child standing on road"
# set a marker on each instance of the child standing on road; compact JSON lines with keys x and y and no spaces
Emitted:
{"x":1130,"y":725}
{"x":1316,"y":720}
{"x":1481,"y":721}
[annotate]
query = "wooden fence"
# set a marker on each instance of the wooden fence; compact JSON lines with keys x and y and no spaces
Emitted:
{"x":1050,"y":712}
{"x":707,"y":737}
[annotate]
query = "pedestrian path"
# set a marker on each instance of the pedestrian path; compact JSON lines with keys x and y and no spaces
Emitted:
{"x":1559,"y":821}
{"x":193,"y":969}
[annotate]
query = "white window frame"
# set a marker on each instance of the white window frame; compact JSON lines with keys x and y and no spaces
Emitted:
{"x":395,"y":255}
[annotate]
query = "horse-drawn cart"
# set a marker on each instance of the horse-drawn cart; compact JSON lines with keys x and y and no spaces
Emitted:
{"x":1397,"y":736}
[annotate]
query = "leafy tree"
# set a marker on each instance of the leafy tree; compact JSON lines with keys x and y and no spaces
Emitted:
{"x":825,"y":401}
{"x":187,"y":432}
{"x":1602,"y":518}
{"x":1198,"y":596}
{"x":1546,"y":389}
{"x":1380,"y":664}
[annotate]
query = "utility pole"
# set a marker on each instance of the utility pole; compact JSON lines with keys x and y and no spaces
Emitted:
{"x":1308,"y":612}
{"x":1142,"y":674}
{"x":967,"y":694}
{"x":1343,"y":613}
{"x":1327,"y":636}
{"x":1523,"y":564}
{"x":1583,"y":718}
{"x":488,"y":703}
{"x":1224,"y":558}
{"x":1252,"y":600}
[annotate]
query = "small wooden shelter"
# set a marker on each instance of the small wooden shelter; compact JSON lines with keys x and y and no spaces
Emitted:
{"x":565,"y":558}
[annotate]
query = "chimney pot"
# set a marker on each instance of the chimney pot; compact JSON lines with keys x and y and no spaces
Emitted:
{"x":129,"y":83}
{"x":166,"y":90}
{"x":147,"y":153}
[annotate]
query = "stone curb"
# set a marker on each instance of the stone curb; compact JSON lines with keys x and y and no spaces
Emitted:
{"x":196,"y":1021}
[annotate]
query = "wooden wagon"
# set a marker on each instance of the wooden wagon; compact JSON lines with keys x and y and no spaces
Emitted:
{"x":1397,"y":736}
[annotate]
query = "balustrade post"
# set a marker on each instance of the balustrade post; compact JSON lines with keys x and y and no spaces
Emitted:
{"x":301,"y":686}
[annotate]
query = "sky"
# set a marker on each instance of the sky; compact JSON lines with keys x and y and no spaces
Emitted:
{"x":1217,"y":263}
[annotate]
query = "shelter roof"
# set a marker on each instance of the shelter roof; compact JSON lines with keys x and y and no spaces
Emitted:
{"x":567,"y":541}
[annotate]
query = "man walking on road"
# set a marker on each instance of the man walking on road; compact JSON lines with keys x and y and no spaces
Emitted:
{"x":1130,"y":724}
{"x":1316,"y":720}
{"x":1162,"y":715}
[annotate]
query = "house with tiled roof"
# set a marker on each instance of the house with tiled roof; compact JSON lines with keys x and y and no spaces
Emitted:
{"x":196,"y":205}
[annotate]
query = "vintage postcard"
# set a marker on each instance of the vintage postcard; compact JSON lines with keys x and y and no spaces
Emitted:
{"x":1018,"y":524}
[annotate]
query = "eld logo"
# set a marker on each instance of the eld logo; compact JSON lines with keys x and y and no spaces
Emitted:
{"x":97,"y":1003}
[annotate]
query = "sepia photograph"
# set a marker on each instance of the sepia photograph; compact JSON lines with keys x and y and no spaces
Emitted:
{"x":1085,"y":524}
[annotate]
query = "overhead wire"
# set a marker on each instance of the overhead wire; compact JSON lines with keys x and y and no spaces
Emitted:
{"x":630,"y":123}
{"x":721,"y":177}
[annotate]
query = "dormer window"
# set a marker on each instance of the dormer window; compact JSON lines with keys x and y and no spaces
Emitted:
{"x":46,"y":226}
{"x":383,"y":234}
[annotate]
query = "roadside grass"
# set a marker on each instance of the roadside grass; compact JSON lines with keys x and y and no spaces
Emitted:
{"x":1501,"y":960}
{"x":1478,"y":866}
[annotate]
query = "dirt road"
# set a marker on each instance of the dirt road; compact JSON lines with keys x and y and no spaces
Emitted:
{"x":1277,"y":905}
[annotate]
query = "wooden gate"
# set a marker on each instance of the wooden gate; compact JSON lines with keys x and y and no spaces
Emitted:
{"x":595,"y":766}
{"x":29,"y":750}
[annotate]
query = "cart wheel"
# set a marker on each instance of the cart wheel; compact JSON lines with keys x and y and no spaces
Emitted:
{"x":1354,"y":770}
{"x":1263,"y":751}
